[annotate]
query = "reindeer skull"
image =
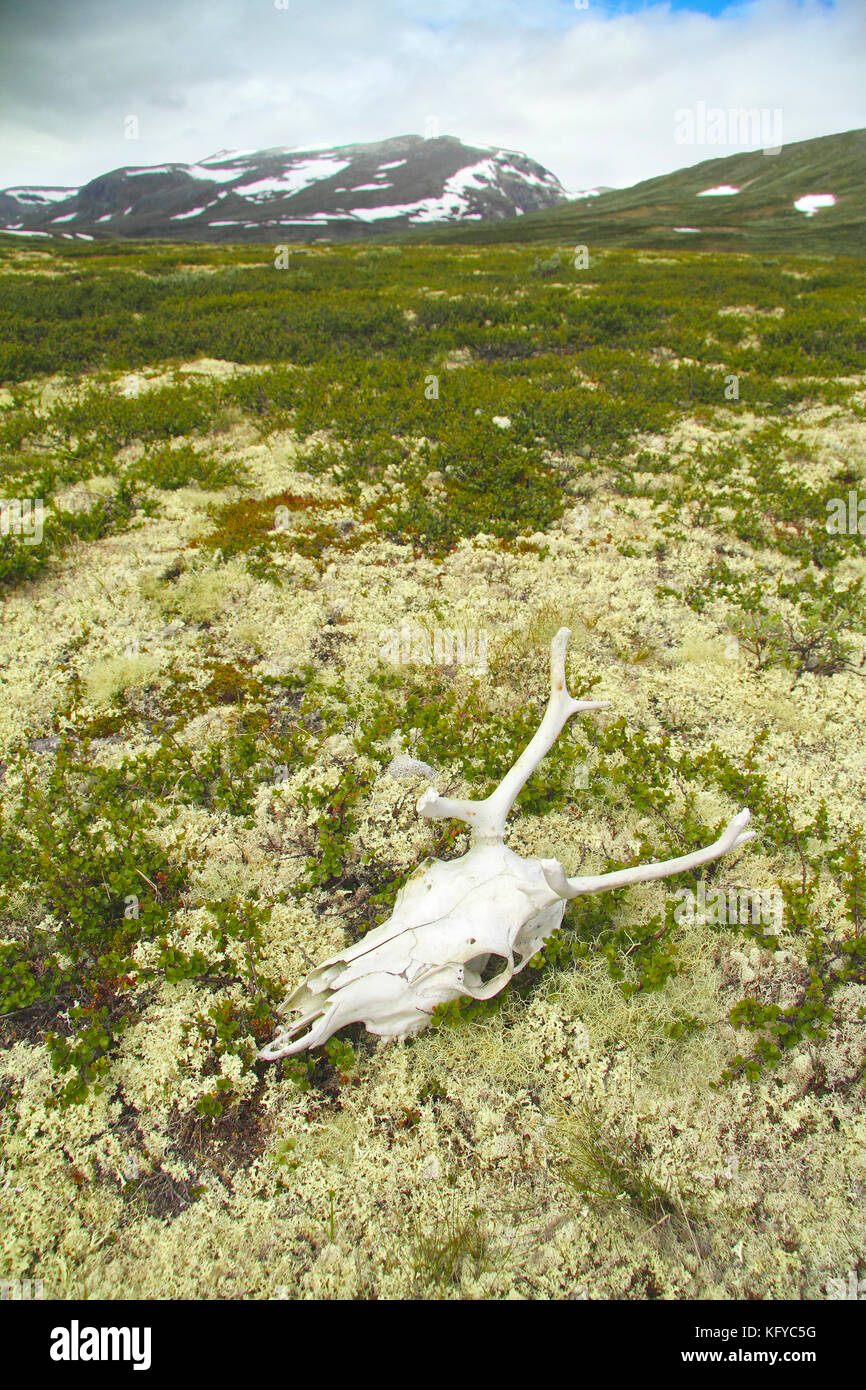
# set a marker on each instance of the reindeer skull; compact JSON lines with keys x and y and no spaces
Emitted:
{"x":451,"y":917}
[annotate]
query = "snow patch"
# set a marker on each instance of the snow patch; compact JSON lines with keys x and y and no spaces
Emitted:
{"x":227,"y":156}
{"x":452,"y":202}
{"x":425,"y":210}
{"x":195,"y":171}
{"x":480,"y":175}
{"x":546,"y":180}
{"x":40,"y":195}
{"x":295,"y":178}
{"x":813,"y":201}
{"x":723,"y":190}
{"x":198,"y":171}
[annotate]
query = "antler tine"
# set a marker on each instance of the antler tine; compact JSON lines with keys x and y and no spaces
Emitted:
{"x":732,"y":837}
{"x":487,"y":818}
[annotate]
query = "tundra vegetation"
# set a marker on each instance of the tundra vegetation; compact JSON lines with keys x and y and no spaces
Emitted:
{"x":250,"y":476}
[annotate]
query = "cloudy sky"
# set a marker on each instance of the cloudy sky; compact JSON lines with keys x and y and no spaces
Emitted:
{"x":587,"y":87}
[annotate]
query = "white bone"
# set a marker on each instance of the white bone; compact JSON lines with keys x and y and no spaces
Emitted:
{"x":450,"y":918}
{"x":487,"y":818}
{"x":732,"y":838}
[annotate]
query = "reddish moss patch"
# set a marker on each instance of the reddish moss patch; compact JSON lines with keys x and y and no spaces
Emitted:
{"x":249,"y":528}
{"x":232,"y":685}
{"x":250,"y":523}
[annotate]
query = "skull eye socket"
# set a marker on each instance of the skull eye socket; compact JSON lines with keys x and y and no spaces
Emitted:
{"x":480,"y":970}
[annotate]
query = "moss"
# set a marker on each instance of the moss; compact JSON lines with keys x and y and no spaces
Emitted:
{"x":108,"y":678}
{"x":287,"y":524}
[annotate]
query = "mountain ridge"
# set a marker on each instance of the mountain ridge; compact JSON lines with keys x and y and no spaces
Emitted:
{"x":279,"y":194}
{"x":810,"y":197}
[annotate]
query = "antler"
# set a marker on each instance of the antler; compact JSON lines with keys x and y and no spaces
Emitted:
{"x":731,"y":838}
{"x":487,"y":818}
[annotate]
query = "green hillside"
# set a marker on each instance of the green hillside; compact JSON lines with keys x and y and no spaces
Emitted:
{"x":761,"y":217}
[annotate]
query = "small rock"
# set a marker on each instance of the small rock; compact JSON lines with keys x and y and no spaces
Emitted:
{"x":44,"y":745}
{"x":403,"y":767}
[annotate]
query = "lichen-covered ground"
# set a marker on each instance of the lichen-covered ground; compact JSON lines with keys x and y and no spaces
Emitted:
{"x":263,"y":499}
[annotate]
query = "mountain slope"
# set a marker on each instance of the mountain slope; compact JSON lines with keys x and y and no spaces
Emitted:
{"x":348,"y":191}
{"x":760,"y":216}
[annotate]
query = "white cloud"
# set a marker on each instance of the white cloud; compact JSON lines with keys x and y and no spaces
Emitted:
{"x":591,"y":97}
